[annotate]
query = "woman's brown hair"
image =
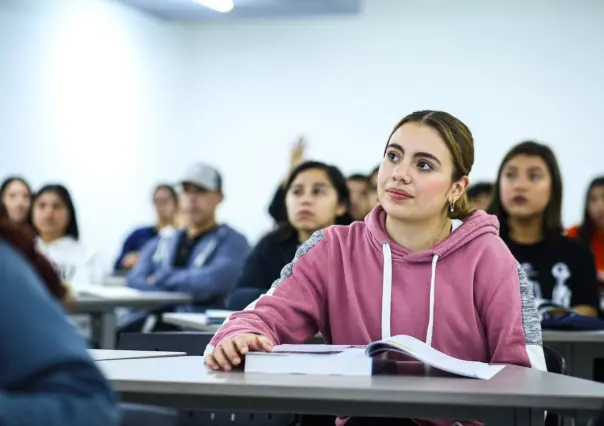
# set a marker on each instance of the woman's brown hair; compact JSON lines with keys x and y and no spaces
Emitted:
{"x":460,"y":142}
{"x":23,"y":241}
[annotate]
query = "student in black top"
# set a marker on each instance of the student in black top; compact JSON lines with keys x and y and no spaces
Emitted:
{"x":527,"y":199}
{"x":316,"y":197}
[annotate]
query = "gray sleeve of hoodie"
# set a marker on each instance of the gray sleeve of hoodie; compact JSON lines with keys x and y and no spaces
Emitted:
{"x":47,"y":377}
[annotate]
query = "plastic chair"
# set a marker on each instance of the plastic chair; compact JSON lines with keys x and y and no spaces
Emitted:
{"x":555,"y":364}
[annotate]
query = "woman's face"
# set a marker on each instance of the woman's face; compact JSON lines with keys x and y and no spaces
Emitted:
{"x":50,"y":215}
{"x":525,"y":186}
{"x":595,"y":206}
{"x":165,"y":205}
{"x":312,"y":201}
{"x":17,"y":201}
{"x":414,"y":181}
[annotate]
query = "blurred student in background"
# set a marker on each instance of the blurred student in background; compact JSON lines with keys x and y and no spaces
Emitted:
{"x":47,"y":377}
{"x":203,"y":260}
{"x":316,"y":197}
{"x":527,"y":199}
{"x":55,"y":221}
{"x":480,"y":195}
{"x":591,"y":231}
{"x":297,"y":156}
{"x":360,"y":205}
{"x":374,"y":199}
{"x":15,"y":197}
{"x":166,"y":208}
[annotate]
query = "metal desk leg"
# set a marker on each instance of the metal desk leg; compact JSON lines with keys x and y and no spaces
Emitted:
{"x":108,"y":329}
{"x":528,"y":417}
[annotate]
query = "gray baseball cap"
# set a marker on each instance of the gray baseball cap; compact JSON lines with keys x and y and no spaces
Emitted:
{"x":203,"y":176}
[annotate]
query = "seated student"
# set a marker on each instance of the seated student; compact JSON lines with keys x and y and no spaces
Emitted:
{"x":317,"y":197}
{"x":360,"y":204}
{"x":480,"y":195}
{"x":591,"y":231}
{"x":15,"y":198}
{"x":55,"y":221}
{"x":373,"y":192}
{"x":204,"y":259}
{"x":277,"y":207}
{"x":398,"y":272}
{"x":47,"y":377}
{"x":527,"y":199}
{"x":166,"y":206}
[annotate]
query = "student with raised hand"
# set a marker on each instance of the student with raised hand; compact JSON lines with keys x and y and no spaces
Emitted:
{"x":203,"y":260}
{"x":165,"y":201}
{"x":316,"y":198}
{"x":591,"y":231}
{"x":47,"y":377}
{"x":360,"y":203}
{"x":15,"y":199}
{"x":398,"y":272}
{"x":277,"y":207}
{"x":55,"y":221}
{"x":527,"y":199}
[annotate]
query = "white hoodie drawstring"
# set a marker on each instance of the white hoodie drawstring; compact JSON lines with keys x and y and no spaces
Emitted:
{"x":387,"y":294}
{"x":432,"y":289}
{"x":386,"y":290}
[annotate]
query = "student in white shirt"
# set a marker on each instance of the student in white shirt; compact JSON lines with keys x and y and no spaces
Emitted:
{"x":54,"y":218}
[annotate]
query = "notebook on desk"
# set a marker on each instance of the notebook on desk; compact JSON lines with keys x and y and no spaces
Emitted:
{"x":107,"y":292}
{"x":358,"y":360}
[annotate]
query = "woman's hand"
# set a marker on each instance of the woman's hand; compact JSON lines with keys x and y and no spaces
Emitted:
{"x":230,"y":353}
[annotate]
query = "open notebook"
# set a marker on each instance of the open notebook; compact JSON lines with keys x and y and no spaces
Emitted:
{"x":358,"y":360}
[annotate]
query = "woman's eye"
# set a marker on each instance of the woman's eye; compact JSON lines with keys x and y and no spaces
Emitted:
{"x":319,"y":191}
{"x":424,"y":165}
{"x":509,"y":175}
{"x":534,"y":177}
{"x":392,"y":156}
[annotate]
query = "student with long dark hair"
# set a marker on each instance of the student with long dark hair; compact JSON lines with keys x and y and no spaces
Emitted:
{"x":527,"y":199}
{"x":423,"y":264}
{"x":165,"y":201}
{"x":316,"y":197}
{"x":55,"y":221}
{"x":15,"y":199}
{"x":591,"y":231}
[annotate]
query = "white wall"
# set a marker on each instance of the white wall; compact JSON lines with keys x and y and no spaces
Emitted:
{"x":519,"y":69}
{"x":90,"y":95}
{"x":109,"y":101}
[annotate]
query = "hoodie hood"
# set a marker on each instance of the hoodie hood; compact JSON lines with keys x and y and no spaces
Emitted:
{"x":464,"y":231}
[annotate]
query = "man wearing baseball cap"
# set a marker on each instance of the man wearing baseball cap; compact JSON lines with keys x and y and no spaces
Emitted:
{"x":204,"y":259}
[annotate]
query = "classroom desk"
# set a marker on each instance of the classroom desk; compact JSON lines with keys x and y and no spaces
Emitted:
{"x":197,"y":322}
{"x":579,"y":349}
{"x":515,"y":396}
{"x":112,"y":355}
{"x":102,"y":311}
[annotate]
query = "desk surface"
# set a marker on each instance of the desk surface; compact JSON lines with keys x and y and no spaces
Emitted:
{"x":551,"y":336}
{"x":184,"y":381}
{"x":190,"y":321}
{"x":112,"y":355}
{"x":86,"y":304}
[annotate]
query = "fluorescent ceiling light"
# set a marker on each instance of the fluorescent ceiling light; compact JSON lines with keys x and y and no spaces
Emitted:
{"x":217,"y":5}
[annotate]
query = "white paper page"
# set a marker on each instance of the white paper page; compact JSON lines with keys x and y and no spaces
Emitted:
{"x":430,"y":356}
{"x":317,"y":349}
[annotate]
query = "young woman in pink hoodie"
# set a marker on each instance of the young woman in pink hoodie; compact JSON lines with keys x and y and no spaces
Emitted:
{"x":423,"y":263}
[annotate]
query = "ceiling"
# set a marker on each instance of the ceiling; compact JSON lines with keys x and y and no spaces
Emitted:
{"x":188,"y":10}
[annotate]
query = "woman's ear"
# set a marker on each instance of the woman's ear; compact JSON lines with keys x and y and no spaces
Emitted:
{"x":458,"y":188}
{"x":340,"y":209}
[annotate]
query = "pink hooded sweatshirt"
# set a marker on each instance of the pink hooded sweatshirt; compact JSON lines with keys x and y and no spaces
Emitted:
{"x":467,"y":296}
